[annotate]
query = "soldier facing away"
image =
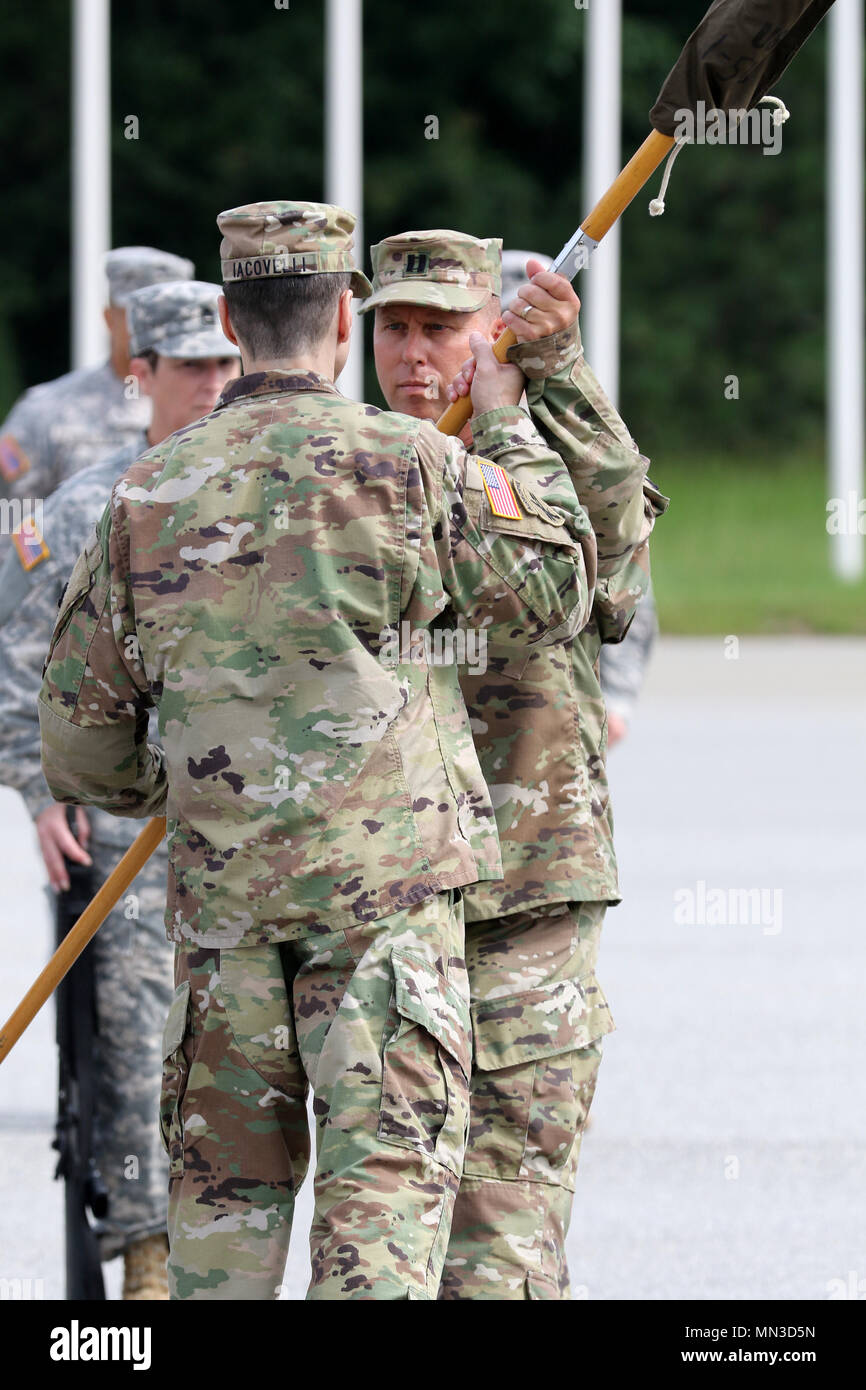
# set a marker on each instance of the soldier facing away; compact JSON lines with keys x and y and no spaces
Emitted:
{"x":538,"y":718}
{"x":182,"y":360}
{"x":325,"y":807}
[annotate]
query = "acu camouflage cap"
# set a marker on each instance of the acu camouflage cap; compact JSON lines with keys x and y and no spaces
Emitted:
{"x":130,"y":268}
{"x":178,"y":319}
{"x":264,"y":240}
{"x":438,"y":269}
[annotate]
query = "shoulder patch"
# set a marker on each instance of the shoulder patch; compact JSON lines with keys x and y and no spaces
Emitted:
{"x":14,"y":463}
{"x":500,"y":495}
{"x":30,"y":545}
{"x":536,"y":506}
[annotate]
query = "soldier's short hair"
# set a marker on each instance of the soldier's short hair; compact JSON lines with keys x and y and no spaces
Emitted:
{"x":274,"y":317}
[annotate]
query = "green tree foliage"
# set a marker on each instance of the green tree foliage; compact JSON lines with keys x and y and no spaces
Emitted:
{"x":229,"y":107}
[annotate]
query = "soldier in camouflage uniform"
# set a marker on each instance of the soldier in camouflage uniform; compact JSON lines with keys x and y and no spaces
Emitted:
{"x":182,"y":360}
{"x":538,"y":718}
{"x":64,"y":425}
{"x":324,"y":801}
{"x":622,"y":665}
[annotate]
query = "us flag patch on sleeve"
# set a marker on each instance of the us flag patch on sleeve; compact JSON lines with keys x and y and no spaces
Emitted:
{"x":31,"y":548}
{"x":500,"y":494}
{"x":14,"y":463}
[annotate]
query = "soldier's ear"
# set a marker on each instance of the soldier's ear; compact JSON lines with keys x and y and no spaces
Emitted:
{"x":344,"y":317}
{"x":225,"y":321}
{"x":140,"y":368}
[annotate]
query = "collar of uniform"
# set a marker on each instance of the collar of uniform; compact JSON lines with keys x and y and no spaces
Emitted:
{"x":269,"y":383}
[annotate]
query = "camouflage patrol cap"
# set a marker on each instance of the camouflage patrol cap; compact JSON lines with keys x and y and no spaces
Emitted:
{"x":130,"y":268}
{"x":265,"y":240}
{"x":438,"y":269}
{"x":178,"y":319}
{"x":514,"y":270}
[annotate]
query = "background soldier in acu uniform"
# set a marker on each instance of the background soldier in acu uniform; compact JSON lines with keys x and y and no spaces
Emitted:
{"x":182,"y":360}
{"x":538,"y":719}
{"x":324,"y":808}
{"x":64,"y":425}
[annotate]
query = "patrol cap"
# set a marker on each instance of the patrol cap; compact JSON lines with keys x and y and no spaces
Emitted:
{"x":514,"y":270}
{"x":178,"y":319}
{"x":438,"y":269}
{"x":130,"y":268}
{"x":266,"y":240}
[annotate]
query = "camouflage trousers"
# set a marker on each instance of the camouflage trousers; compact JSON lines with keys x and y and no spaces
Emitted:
{"x":538,"y":1016}
{"x":375,"y":1019}
{"x":133,"y":980}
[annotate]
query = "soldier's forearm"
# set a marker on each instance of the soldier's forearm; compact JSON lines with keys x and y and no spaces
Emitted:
{"x":577,"y":420}
{"x":103,"y":765}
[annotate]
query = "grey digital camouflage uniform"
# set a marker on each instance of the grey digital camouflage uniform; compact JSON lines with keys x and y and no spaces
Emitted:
{"x":132,"y":961}
{"x":62,"y":426}
{"x":622,"y":665}
{"x":320,"y":803}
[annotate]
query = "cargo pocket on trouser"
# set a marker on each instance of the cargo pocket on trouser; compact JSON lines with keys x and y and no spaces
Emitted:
{"x":175,"y":1072}
{"x":425,"y":1064}
{"x":536,"y":1058}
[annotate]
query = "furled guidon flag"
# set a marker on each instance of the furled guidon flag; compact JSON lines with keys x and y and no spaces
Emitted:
{"x":499,"y":491}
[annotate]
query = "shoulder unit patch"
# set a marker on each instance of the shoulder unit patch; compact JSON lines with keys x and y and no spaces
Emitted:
{"x":14,"y":463}
{"x":29,"y":543}
{"x":500,"y":495}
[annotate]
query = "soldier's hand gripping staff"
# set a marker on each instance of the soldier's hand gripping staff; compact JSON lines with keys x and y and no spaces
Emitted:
{"x":324,"y":804}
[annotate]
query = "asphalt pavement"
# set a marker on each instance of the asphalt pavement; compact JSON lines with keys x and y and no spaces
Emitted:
{"x":726,"y":1158}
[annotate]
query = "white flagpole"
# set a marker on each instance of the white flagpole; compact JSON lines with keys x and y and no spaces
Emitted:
{"x":845,"y":246}
{"x":91,"y":176}
{"x":602,"y":161}
{"x":344,"y":157}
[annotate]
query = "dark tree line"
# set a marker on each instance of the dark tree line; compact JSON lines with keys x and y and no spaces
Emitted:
{"x":229,"y":108}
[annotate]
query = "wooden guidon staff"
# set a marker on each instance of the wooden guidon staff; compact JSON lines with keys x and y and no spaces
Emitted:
{"x":77,"y":938}
{"x":737,"y":51}
{"x":575,"y":254}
